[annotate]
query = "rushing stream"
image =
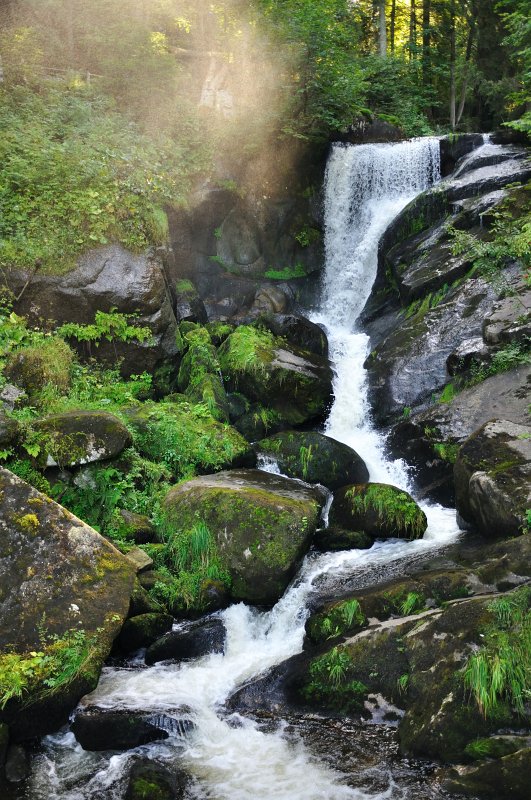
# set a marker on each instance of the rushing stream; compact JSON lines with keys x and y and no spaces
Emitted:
{"x":231,"y":757}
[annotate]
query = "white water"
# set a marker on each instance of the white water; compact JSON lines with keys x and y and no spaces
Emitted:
{"x":232,"y":757}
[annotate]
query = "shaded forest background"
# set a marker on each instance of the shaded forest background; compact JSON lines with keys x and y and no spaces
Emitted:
{"x":111,"y":110}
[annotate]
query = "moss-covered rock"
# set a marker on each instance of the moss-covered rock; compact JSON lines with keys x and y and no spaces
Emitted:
{"x":9,"y":429}
{"x":135,"y":527}
{"x":80,"y":437}
{"x":280,"y":376}
{"x":65,"y":591}
{"x":142,"y":602}
{"x":187,"y":438}
{"x":151,"y":781}
{"x":142,"y":630}
{"x":46,"y":364}
{"x":379,"y":509}
{"x":492,"y":475}
{"x":315,"y":458}
{"x":338,"y":619}
{"x":262,"y":525}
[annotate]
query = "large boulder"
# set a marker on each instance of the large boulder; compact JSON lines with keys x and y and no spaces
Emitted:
{"x":105,"y":279}
{"x":121,"y":729}
{"x":314,"y":458}
{"x":505,"y":778}
{"x":298,"y":331}
{"x":493,"y":478}
{"x":263,"y":367}
{"x":64,"y":595}
{"x":429,"y":440}
{"x":380,"y":510}
{"x":262,"y":525}
{"x":80,"y":437}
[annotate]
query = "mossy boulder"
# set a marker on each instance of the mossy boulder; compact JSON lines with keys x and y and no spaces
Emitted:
{"x":149,"y":780}
{"x":492,"y":478}
{"x":142,"y":630}
{"x":315,"y":458}
{"x":187,"y":437}
{"x":46,"y":364}
{"x":142,"y":602}
{"x":80,"y":437}
{"x":262,"y":525}
{"x":279,"y":375}
{"x":135,"y":527}
{"x":63,"y":589}
{"x":381,"y":510}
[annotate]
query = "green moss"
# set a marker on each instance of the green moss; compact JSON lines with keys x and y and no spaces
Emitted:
{"x":29,"y":523}
{"x":185,"y":287}
{"x":247,"y":350}
{"x":37,"y":367}
{"x":395,"y":509}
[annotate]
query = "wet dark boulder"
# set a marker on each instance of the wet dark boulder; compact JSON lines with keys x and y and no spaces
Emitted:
{"x":149,"y":780}
{"x":430,"y":440}
{"x":142,"y":630}
{"x":492,"y":476}
{"x":455,"y":146}
{"x":332,"y":539}
{"x":295,"y":382}
{"x":505,"y":778}
{"x":136,"y":527}
{"x":314,"y":458}
{"x":192,"y":640}
{"x":188,"y":305}
{"x":142,"y":602}
{"x":99,"y":729}
{"x":409,"y":366}
{"x":380,"y":510}
{"x":64,"y":588}
{"x":9,"y":430}
{"x":261,"y":523}
{"x":105,"y":279}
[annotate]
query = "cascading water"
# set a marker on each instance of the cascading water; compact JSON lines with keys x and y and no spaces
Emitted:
{"x":232,"y":757}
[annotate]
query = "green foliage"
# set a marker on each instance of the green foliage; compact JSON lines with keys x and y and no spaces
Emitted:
{"x":506,"y":358}
{"x":412,"y":604}
{"x":329,"y":682}
{"x":286,"y":273}
{"x":111,"y":326}
{"x":395,"y":509}
{"x":446,"y":451}
{"x":189,"y":559}
{"x":38,"y":367}
{"x":419,"y":308}
{"x":339,"y":619}
{"x":39,"y":673}
{"x":74,"y":174}
{"x":402,"y":683}
{"x":500,"y":671}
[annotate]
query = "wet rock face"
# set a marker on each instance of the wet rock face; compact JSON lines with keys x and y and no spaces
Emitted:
{"x":142,"y":630}
{"x":453,"y":148}
{"x":107,"y":278}
{"x":262,"y":525}
{"x":314,"y":458}
{"x":149,"y":780}
{"x":99,"y":729}
{"x":409,"y":366}
{"x":55,"y":568}
{"x":194,"y":640}
{"x":493,"y":478}
{"x":298,"y":330}
{"x":505,"y":778}
{"x":429,"y":440}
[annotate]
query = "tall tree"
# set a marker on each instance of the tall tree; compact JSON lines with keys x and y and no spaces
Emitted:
{"x":382,"y":29}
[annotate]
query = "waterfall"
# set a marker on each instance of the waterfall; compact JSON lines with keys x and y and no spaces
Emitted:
{"x":233,"y":758}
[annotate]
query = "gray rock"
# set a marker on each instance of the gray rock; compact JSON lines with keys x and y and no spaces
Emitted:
{"x":493,"y":478}
{"x":510,"y":319}
{"x":81,"y":437}
{"x":17,"y":766}
{"x":139,"y":559}
{"x":106,"y":278}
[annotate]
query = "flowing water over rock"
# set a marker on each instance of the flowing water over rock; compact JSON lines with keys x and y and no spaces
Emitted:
{"x":231,"y":756}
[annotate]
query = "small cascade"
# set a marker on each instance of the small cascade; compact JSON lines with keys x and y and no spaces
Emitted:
{"x":230,"y":757}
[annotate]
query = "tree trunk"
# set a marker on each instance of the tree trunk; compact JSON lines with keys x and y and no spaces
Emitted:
{"x":426,"y":42}
{"x":412,"y":29}
{"x":466,"y":75}
{"x":452,"y":65}
{"x":382,"y":29}
{"x":392,"y":25}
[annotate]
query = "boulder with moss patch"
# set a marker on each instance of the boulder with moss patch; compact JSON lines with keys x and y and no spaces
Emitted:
{"x":492,"y":478}
{"x":46,"y":364}
{"x":64,"y":594}
{"x":80,"y":437}
{"x":262,"y":525}
{"x":315,"y":458}
{"x":379,"y":509}
{"x":292,"y":381}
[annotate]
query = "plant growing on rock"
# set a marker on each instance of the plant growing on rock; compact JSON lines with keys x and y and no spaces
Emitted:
{"x":500,"y":671}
